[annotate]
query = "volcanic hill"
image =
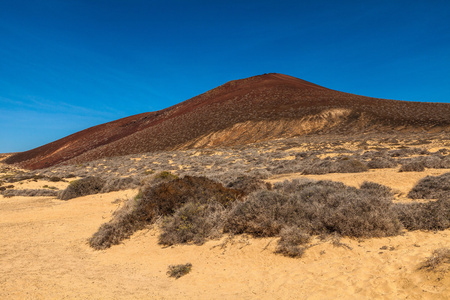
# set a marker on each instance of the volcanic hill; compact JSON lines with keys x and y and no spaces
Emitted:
{"x":239,"y":112}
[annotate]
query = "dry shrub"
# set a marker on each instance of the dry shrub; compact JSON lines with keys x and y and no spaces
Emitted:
{"x":165,"y":198}
{"x":192,"y":223}
{"x":21,"y":177}
{"x":160,"y":201}
{"x":407,"y":152}
{"x":316,"y":207}
{"x":433,"y":215}
{"x":351,"y":166}
{"x":340,"y":166}
{"x":319,"y":168}
{"x":123,"y":224}
{"x":257,"y":215}
{"x":30,"y":193}
{"x":381,"y":163}
{"x":431,"y":187}
{"x":158,"y":178}
{"x":445,"y":163}
{"x":433,"y":162}
{"x":82,"y":187}
{"x":413,"y":166}
{"x":55,"y":179}
{"x":290,"y":240}
{"x":377,"y":189}
{"x":438,"y":258}
{"x":121,"y":183}
{"x":248,"y":184}
{"x":179,"y":270}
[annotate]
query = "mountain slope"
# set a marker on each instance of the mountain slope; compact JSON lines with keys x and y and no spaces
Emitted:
{"x":239,"y":112}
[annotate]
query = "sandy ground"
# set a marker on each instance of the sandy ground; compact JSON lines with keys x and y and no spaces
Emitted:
{"x":44,"y":255}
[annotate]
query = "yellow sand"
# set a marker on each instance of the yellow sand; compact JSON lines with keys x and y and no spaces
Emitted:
{"x":44,"y":255}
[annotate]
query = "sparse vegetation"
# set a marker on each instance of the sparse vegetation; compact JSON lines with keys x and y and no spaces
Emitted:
{"x":290,"y":240}
{"x":30,"y":193}
{"x":381,"y":163}
{"x":193,"y":223}
{"x":164,"y":200}
{"x":316,"y":207}
{"x":178,"y":271}
{"x":82,"y":187}
{"x":413,"y":166}
{"x":339,"y":166}
{"x":432,"y":215}
{"x":121,"y":183}
{"x":436,"y":261}
{"x":189,"y":208}
{"x":431,"y":187}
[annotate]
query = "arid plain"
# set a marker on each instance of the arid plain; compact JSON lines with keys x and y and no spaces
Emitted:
{"x":46,"y":251}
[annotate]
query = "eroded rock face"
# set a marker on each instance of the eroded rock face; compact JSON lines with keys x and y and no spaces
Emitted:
{"x":240,"y":112}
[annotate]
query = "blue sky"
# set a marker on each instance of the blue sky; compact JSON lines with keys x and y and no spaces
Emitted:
{"x":66,"y":65}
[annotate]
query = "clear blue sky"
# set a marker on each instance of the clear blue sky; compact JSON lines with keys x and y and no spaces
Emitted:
{"x":66,"y":65}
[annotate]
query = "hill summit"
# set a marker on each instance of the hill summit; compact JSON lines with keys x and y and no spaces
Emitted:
{"x":240,"y":112}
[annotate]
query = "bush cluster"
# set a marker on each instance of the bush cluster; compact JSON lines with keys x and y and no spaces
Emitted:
{"x":340,"y":166}
{"x":318,"y":208}
{"x":194,"y":209}
{"x":431,"y":187}
{"x":432,"y":215}
{"x":82,"y":187}
{"x":30,"y":193}
{"x":182,"y":201}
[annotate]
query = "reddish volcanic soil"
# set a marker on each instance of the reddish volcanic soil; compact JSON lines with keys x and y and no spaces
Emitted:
{"x":240,"y":112}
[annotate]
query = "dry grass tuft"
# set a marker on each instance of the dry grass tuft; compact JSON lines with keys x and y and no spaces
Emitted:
{"x":437,"y":260}
{"x":178,"y":271}
{"x":290,"y":240}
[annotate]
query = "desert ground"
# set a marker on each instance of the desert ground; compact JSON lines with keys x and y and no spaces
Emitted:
{"x":45,"y":254}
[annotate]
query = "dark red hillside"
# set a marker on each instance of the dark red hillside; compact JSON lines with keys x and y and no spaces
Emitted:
{"x":239,"y":112}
